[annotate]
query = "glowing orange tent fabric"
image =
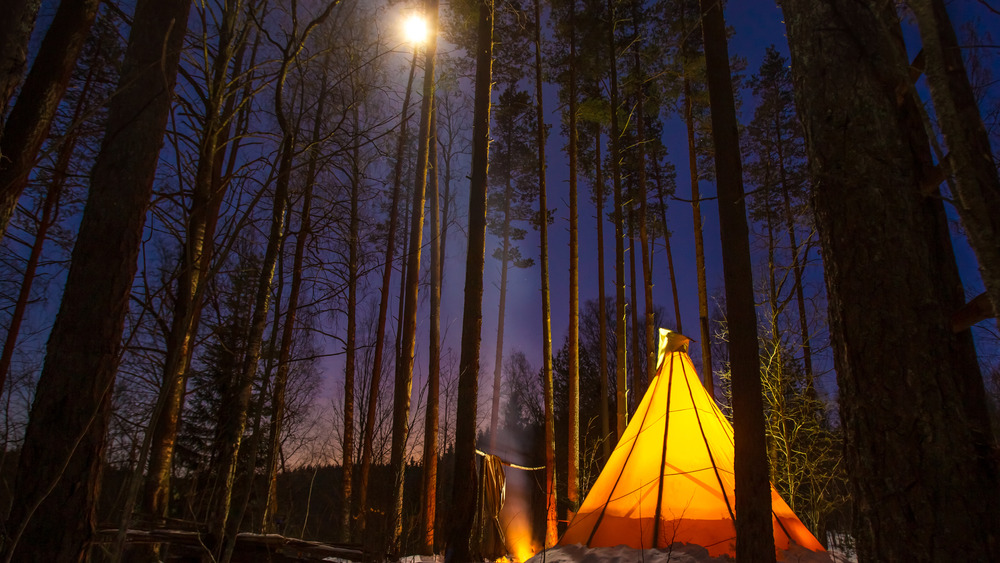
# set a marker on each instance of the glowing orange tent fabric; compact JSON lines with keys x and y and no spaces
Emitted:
{"x":670,"y":478}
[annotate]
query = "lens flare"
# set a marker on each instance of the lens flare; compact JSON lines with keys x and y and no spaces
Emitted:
{"x":415,"y":29}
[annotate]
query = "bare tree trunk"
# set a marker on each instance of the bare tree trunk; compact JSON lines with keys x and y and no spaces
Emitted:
{"x":782,"y":440}
{"x":30,"y":119}
{"x":208,"y":192}
{"x":918,"y":445}
{"x":699,"y":246}
{"x":31,"y":267}
{"x":670,"y":254}
{"x":647,"y":274}
{"x":647,"y":270}
{"x":772,"y":280}
{"x":616,"y":179}
{"x":602,"y":321}
{"x":429,"y":489}
{"x":798,"y":268}
{"x":162,"y":431}
{"x":347,"y":463}
{"x":275,"y":343}
{"x":383,"y":308}
{"x":970,"y":157}
{"x":53,"y":508}
{"x":236,"y":402}
{"x":637,"y":372}
{"x":754,"y":534}
{"x":446,"y":196}
{"x":502,"y":314}
{"x":551,"y":520}
{"x":404,"y":365}
{"x":699,"y":237}
{"x":573,"y":338}
{"x":404,"y":260}
{"x":464,"y":493}
{"x":15,"y":32}
{"x":49,"y":210}
{"x":280,"y":385}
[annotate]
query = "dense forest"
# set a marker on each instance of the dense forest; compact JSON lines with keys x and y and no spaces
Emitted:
{"x":290,"y":267}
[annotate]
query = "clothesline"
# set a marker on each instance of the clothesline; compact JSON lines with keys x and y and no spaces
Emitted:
{"x":509,"y":464}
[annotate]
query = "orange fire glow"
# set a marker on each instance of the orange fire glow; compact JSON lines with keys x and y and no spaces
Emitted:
{"x":519,"y":542}
{"x":515,"y":515}
{"x":522,"y":551}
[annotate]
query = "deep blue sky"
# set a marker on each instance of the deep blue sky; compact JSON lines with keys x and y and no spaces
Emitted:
{"x":756,"y":24}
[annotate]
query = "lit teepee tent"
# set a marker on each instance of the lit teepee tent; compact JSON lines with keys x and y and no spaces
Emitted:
{"x":670,"y":478}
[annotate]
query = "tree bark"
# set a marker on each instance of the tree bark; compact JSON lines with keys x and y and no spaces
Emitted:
{"x":236,"y":399}
{"x":666,"y":246}
{"x":616,"y":180}
{"x":464,"y":493}
{"x":429,"y":489}
{"x":15,"y":32}
{"x":208,"y":192}
{"x":551,"y":519}
{"x":970,"y":157}
{"x":647,"y":270}
{"x":502,"y":313}
{"x":404,"y":365}
{"x":350,"y":364}
{"x":699,"y":238}
{"x":798,"y":268}
{"x":699,"y":247}
{"x":49,"y":210}
{"x":446,"y":195}
{"x":280,"y":386}
{"x":46,"y":222}
{"x":919,"y":449}
{"x":53,"y":509}
{"x":637,"y":371}
{"x":30,"y":119}
{"x":602,"y":321}
{"x":754,"y":534}
{"x":404,"y":260}
{"x":383,"y":309}
{"x":255,"y":408}
{"x":573,"y":338}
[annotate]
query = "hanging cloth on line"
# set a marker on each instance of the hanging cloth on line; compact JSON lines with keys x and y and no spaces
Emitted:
{"x":488,"y":538}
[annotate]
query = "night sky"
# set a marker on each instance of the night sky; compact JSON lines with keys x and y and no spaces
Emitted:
{"x":756,"y":24}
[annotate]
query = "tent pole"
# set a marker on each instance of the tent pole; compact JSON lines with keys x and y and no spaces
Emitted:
{"x":663,"y":459}
{"x":600,"y":517}
{"x":711,"y":458}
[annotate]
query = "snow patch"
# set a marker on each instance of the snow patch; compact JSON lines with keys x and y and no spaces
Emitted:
{"x":677,"y":553}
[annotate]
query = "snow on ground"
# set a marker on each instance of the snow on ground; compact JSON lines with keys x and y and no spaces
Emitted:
{"x":678,"y":553}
